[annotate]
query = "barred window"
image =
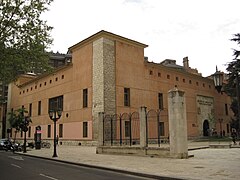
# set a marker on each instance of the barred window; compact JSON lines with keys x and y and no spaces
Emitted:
{"x":85,"y":129}
{"x":127,"y":97}
{"x":30,"y":109}
{"x":127,"y":128}
{"x":39,"y":107}
{"x":85,"y":98}
{"x":29,"y":131}
{"x":49,"y":131}
{"x":161,"y":128}
{"x":56,"y":103}
{"x":160,"y":101}
{"x":60,"y":130}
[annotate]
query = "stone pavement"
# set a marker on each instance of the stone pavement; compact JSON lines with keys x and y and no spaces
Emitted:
{"x":207,"y":163}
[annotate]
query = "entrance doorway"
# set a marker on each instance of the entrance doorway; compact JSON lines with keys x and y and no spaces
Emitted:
{"x":205,"y":128}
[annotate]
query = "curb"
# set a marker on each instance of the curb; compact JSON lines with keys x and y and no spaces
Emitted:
{"x":104,"y":168}
{"x":197,"y":148}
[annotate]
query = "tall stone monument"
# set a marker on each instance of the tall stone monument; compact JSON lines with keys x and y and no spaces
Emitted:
{"x":177,"y":124}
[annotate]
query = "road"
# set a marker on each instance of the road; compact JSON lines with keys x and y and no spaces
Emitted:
{"x":13,"y":166}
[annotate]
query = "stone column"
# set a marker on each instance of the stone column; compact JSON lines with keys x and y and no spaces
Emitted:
{"x":143,"y":127}
{"x":177,"y":124}
{"x":104,"y":80}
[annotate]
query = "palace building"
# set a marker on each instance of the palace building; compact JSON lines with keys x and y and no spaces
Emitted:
{"x":109,"y":73}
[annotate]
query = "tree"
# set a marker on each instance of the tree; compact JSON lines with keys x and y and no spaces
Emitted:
{"x":18,"y":120}
{"x":24,"y":37}
{"x":232,"y":87}
{"x":14,"y":123}
{"x":236,"y":39}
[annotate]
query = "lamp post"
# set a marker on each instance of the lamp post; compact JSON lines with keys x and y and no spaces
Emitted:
{"x":55,"y":115}
{"x":24,"y":128}
{"x":218,"y":82}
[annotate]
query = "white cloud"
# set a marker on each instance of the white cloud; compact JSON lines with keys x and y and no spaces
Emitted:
{"x":200,"y":29}
{"x":132,"y":1}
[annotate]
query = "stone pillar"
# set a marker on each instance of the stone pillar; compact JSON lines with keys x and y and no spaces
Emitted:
{"x":100,"y":128}
{"x":104,"y":81}
{"x":143,"y":127}
{"x":177,"y":124}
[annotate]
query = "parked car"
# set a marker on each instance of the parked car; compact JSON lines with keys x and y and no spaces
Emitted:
{"x":5,"y":144}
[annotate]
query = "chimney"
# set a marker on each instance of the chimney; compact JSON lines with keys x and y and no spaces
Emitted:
{"x":185,"y":63}
{"x":145,"y":58}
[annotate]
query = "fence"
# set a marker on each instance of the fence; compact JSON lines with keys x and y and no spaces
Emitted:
{"x":153,"y":127}
{"x":124,"y":129}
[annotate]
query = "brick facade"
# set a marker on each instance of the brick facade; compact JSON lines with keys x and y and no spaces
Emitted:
{"x":105,"y":64}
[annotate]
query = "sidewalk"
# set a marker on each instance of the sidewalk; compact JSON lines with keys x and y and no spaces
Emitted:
{"x":206,"y":164}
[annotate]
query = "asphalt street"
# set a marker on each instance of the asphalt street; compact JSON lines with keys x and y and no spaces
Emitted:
{"x":15,"y":166}
{"x":206,"y":163}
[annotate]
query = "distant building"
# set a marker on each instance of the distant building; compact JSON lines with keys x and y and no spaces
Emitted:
{"x":109,"y":73}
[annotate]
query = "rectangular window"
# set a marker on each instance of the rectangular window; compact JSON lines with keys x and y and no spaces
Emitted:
{"x":160,"y":101}
{"x":161,"y":128}
{"x":55,"y":103}
{"x":29,"y":131}
{"x":127,"y":128}
{"x":21,"y":133}
{"x":226,"y":109}
{"x":39,"y":107}
{"x":127,"y":97}
{"x":85,"y":98}
{"x":85,"y":129}
{"x":30,"y":109}
{"x":49,"y":131}
{"x":11,"y":133}
{"x":228,"y":128}
{"x":60,"y":130}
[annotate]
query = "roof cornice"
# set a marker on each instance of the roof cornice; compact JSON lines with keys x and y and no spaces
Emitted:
{"x":106,"y":34}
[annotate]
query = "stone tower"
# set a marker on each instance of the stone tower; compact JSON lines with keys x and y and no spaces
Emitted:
{"x":104,"y":80}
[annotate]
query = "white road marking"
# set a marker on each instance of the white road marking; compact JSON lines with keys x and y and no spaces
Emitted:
{"x":16,"y":158}
{"x":16,"y":166}
{"x":48,"y":176}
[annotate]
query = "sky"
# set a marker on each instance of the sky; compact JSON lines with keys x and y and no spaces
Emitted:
{"x":172,"y":29}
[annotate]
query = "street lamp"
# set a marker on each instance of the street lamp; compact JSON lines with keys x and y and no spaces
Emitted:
{"x":24,"y":127}
{"x":218,"y":80}
{"x":55,"y":115}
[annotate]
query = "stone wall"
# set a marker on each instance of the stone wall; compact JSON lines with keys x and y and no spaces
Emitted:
{"x":104,"y":81}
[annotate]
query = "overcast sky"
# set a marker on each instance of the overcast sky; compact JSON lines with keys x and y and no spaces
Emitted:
{"x":173,"y":29}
